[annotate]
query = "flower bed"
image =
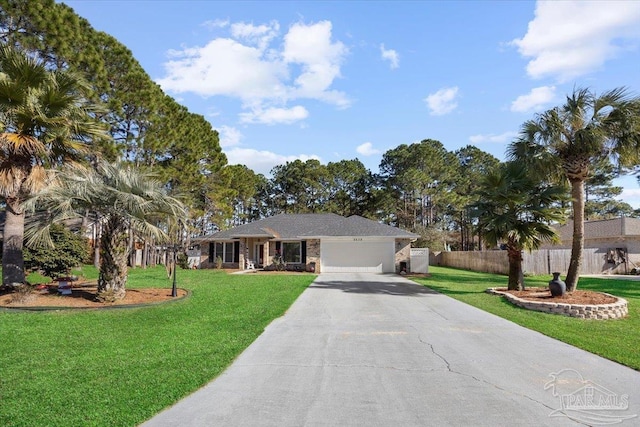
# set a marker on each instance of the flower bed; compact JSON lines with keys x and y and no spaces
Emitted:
{"x":613,"y":310}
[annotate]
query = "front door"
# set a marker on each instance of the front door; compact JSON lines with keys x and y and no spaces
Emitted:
{"x":258,"y":254}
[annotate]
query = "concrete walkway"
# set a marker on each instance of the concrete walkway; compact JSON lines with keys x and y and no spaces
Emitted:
{"x":380,"y":350}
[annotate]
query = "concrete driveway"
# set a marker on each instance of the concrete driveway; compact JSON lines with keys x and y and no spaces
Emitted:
{"x":380,"y":350}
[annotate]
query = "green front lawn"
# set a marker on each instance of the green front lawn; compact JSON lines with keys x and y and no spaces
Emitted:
{"x":120,"y":367}
{"x":617,"y":340}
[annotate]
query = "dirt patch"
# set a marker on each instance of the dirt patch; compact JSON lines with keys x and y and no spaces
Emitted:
{"x":84,"y":297}
{"x":575,"y":297}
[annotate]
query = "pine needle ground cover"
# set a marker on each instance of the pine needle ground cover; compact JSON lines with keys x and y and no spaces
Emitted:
{"x":617,"y":340}
{"x":120,"y":367}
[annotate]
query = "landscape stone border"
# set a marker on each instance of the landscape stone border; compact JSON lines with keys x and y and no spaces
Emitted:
{"x":614,"y":310}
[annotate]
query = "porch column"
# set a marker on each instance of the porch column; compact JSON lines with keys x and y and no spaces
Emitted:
{"x":241,"y":256}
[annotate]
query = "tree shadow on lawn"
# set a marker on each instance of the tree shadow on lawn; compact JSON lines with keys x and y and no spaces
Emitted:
{"x":475,"y":283}
{"x":446,"y":291}
{"x":386,"y":288}
{"x":629,"y":289}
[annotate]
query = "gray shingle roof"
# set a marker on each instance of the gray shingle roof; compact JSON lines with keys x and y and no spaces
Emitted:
{"x":297,"y":226}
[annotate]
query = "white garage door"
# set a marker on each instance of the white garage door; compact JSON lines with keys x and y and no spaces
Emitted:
{"x":358,"y":256}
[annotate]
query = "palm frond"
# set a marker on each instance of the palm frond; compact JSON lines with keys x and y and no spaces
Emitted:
{"x":19,"y":144}
{"x":132,"y":197}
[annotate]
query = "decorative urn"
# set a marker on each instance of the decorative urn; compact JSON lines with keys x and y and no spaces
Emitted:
{"x":557,"y":287}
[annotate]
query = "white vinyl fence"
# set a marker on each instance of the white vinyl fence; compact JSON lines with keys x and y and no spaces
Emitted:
{"x":419,"y":260}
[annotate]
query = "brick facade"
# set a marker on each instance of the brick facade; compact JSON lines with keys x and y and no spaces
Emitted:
{"x":403,"y":254}
{"x":313,"y":253}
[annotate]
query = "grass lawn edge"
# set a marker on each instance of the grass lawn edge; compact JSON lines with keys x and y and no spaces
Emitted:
{"x":613,"y":339}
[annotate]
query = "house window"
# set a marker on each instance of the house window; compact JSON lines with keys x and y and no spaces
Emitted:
{"x":292,"y":252}
{"x":225,"y":250}
{"x":228,"y":252}
{"x":212,"y":252}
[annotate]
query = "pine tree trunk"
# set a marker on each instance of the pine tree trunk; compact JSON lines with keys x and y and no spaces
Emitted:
{"x":13,"y":239}
{"x":132,"y":250}
{"x":145,"y":255}
{"x":154,"y":252}
{"x":97,"y":236}
{"x":114,"y":250}
{"x":577,"y":195}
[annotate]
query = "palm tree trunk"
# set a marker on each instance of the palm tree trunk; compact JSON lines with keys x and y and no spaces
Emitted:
{"x":516,"y":275}
{"x":13,"y":238}
{"x":113,"y":264}
{"x":577,"y":196}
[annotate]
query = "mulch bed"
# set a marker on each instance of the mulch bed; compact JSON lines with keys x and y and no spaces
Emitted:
{"x":84,"y":297}
{"x":576,"y":297}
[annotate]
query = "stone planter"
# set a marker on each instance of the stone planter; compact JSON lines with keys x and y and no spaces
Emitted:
{"x":614,"y":310}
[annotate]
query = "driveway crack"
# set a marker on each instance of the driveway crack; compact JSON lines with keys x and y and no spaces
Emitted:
{"x":481,"y":380}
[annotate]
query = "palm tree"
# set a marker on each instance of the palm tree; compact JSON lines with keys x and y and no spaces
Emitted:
{"x":567,"y":140}
{"x":45,"y":120}
{"x":515,"y":208}
{"x":123,"y":199}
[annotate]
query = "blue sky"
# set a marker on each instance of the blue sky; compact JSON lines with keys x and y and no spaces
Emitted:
{"x":340,"y":80}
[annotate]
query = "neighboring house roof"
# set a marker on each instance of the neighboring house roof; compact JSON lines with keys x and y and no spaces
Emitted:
{"x":299,"y":226}
{"x":603,"y":229}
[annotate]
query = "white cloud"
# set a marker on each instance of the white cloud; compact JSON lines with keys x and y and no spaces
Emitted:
{"x":493,"y":138}
{"x":262,"y":161}
{"x":310,"y":46}
{"x":271,"y":116}
{"x":567,"y":39}
{"x":443,"y":101}
{"x":260,"y":35}
{"x":216,"y":23}
{"x":367,"y":149}
{"x":534,"y":100}
{"x":224,"y":67}
{"x":229,"y":136}
{"x":390,"y":55}
{"x":246,"y":66}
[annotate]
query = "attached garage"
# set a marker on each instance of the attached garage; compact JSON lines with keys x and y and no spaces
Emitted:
{"x":357,"y":255}
{"x":323,"y":243}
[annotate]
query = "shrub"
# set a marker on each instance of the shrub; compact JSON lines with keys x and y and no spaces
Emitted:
{"x":70,"y":250}
{"x":183,"y":261}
